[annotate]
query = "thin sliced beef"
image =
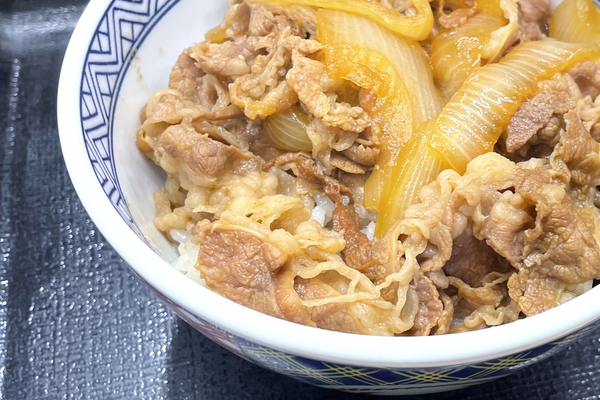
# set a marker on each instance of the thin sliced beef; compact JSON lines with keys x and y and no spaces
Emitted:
{"x":533,"y":17}
{"x":491,"y":290}
{"x":168,"y":109}
{"x":200,"y":153}
{"x":332,"y":316}
{"x":240,"y":267}
{"x":265,"y":19}
{"x":255,"y":64}
{"x":527,"y":225}
{"x":357,"y":252}
{"x":441,"y":239}
{"x":172,"y":110}
{"x":559,"y":249}
{"x":235,"y":23}
{"x":263,"y":90}
{"x":346,"y":165}
{"x":430,"y":307}
{"x":587,"y":76}
{"x":310,"y":80}
{"x":243,"y":268}
{"x":456,"y":17}
{"x":555,"y":96}
{"x":288,"y":300}
{"x":228,"y":59}
{"x":577,"y":155}
{"x":363,"y":155}
{"x":186,"y":77}
{"x":302,"y":165}
{"x":360,"y":253}
{"x":561,"y":244}
{"x":473,"y":259}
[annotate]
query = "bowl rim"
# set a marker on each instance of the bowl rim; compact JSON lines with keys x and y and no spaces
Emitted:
{"x":313,"y":343}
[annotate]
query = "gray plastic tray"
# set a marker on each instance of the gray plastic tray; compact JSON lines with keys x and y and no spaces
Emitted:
{"x":75,"y":323}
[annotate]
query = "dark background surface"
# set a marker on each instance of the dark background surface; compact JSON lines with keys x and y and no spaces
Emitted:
{"x":74,"y":321}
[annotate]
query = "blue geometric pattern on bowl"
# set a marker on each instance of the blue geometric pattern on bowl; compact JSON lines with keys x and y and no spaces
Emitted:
{"x":386,"y":381}
{"x":121,"y":31}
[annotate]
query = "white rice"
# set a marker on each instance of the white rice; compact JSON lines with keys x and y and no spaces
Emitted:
{"x":324,"y":210}
{"x":179,"y":235}
{"x":368,"y":215}
{"x":369,"y":230}
{"x":319,"y":214}
{"x":188,"y":255}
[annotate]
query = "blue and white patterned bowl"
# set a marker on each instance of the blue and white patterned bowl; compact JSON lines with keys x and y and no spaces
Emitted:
{"x":123,"y":50}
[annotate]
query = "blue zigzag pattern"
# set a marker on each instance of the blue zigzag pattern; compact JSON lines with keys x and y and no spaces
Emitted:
{"x":121,"y":31}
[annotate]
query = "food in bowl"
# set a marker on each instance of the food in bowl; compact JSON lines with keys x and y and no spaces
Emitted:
{"x":388,"y":168}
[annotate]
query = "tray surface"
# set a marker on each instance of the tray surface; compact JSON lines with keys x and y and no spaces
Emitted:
{"x":74,"y":321}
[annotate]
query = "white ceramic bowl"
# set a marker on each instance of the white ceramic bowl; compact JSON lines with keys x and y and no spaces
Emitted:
{"x":119,"y":54}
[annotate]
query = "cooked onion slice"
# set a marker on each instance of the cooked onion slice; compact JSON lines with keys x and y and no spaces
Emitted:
{"x":491,"y":7}
{"x":501,"y":39}
{"x":471,"y":123}
{"x":286,"y":130}
{"x":391,"y":67}
{"x":406,"y":56}
{"x":455,"y":53}
{"x":576,"y":21}
{"x":370,"y":70}
{"x":416,"y":166}
{"x":416,"y":27}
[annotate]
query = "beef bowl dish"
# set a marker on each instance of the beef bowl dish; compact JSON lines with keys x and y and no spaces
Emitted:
{"x":374,"y":196}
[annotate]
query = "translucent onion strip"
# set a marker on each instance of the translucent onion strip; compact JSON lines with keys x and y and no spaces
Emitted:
{"x":501,"y":39}
{"x":576,"y":21}
{"x":370,"y":70}
{"x":455,"y":53}
{"x":418,"y":165}
{"x":491,"y":7}
{"x":502,"y":36}
{"x":412,"y":68}
{"x":416,"y":27}
{"x":407,"y":57}
{"x":286,"y":130}
{"x":471,"y":123}
{"x":403,"y":69}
